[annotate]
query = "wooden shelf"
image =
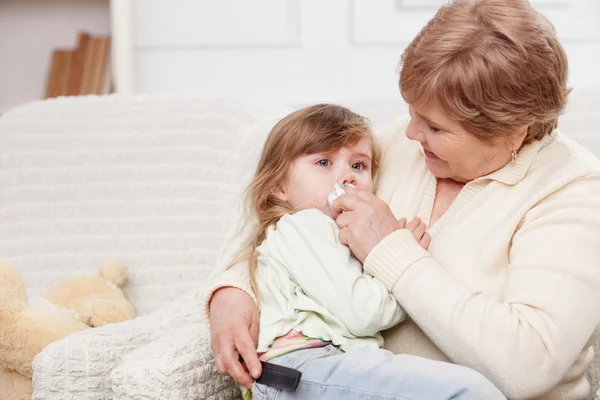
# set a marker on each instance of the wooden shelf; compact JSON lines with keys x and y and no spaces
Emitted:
{"x":29,"y":32}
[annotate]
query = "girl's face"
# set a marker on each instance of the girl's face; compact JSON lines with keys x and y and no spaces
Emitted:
{"x":310,"y":178}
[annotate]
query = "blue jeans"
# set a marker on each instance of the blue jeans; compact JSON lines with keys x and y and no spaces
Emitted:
{"x":328,"y":373}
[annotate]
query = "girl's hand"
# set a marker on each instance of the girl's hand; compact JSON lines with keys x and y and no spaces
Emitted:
{"x":418,"y":229}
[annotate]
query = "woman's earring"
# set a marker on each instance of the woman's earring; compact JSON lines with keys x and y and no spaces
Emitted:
{"x":513,"y":155}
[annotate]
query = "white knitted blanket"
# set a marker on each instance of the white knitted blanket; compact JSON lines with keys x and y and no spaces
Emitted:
{"x":165,"y":355}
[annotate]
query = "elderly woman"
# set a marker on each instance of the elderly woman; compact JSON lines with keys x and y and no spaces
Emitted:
{"x":510,"y":285}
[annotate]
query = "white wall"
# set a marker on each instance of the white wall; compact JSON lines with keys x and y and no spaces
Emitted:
{"x":29,"y":30}
{"x":298,"y":50}
{"x":307,"y":50}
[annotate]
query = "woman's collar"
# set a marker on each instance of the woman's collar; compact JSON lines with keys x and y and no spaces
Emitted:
{"x":513,"y":172}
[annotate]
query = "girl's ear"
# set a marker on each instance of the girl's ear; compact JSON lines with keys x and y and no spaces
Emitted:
{"x":279,"y":192}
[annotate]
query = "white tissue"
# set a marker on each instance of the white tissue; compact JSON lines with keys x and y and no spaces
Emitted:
{"x":337,"y":192}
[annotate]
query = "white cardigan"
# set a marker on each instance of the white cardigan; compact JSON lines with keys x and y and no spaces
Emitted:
{"x":510,"y":285}
{"x":310,"y":282}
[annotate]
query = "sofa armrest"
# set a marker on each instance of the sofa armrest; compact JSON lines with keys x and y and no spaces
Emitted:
{"x":178,"y":366}
{"x":79,"y":366}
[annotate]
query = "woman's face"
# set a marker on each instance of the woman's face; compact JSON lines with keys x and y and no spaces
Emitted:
{"x":450,"y":151}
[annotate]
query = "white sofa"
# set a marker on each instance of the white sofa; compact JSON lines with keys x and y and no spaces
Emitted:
{"x":152,"y":180}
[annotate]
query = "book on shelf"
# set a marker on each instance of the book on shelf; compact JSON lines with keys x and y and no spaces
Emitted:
{"x":81,"y":71}
{"x":59,"y":73}
{"x":78,"y":64}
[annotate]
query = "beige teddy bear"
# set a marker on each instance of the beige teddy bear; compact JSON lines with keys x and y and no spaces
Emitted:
{"x":29,"y":325}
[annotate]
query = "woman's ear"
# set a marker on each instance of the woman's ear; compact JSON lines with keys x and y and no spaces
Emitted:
{"x":515,"y":141}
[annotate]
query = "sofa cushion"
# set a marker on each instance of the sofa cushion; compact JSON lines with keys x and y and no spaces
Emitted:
{"x":144,"y":178}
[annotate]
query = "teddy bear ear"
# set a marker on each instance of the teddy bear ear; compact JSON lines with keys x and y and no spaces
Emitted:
{"x":105,"y":308}
{"x":115,"y":272}
{"x":12,"y":287}
{"x":85,"y":318}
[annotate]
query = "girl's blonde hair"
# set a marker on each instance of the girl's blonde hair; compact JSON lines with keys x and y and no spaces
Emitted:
{"x":314,"y":129}
{"x":495,"y":66}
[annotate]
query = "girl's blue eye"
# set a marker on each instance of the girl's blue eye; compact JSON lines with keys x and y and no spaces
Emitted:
{"x":358,"y":166}
{"x":324,"y":163}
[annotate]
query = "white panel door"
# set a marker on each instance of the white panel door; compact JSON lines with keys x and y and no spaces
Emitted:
{"x":398,"y":20}
{"x":181,"y":23}
{"x":299,"y":50}
{"x":577,"y":24}
{"x":307,"y":50}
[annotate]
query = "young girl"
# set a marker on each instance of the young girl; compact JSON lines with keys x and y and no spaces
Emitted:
{"x":318,"y":307}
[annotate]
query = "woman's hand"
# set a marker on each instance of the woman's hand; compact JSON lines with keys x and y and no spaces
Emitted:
{"x":365,"y":220}
{"x":233,"y":333}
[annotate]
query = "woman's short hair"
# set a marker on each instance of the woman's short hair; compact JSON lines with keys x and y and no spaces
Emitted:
{"x":496,"y":66}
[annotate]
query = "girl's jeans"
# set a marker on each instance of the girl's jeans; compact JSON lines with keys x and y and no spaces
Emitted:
{"x":376,"y":374}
